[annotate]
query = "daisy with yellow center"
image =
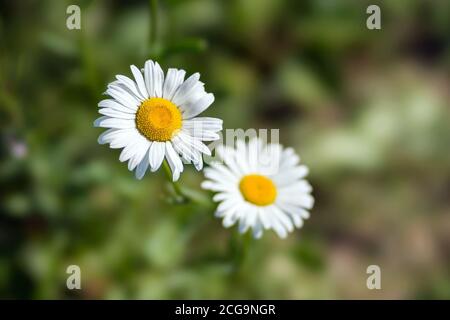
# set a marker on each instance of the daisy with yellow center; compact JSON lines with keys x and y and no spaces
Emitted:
{"x":154,"y":117}
{"x":261,"y":187}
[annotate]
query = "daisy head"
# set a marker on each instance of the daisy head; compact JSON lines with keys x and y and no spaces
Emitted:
{"x":153,"y":117}
{"x":261,"y":187}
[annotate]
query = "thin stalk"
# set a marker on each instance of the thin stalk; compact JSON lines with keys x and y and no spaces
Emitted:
{"x":175,"y":185}
{"x":239,"y":247}
{"x":153,"y":32}
{"x":88,"y":64}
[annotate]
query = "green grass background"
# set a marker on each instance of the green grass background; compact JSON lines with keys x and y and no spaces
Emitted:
{"x":368,"y":111}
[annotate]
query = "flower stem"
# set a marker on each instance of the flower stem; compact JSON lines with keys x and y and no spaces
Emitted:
{"x":153,"y":32}
{"x":239,"y":247}
{"x":176,"y":187}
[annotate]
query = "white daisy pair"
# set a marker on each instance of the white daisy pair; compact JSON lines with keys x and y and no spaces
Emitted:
{"x":153,"y":117}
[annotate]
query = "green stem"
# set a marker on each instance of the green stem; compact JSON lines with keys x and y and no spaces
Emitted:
{"x":88,"y":64}
{"x":176,"y":187}
{"x":239,"y":246}
{"x":153,"y":6}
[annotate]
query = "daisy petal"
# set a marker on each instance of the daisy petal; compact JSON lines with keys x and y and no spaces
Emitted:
{"x":107,"y":122}
{"x":112,"y":104}
{"x":142,"y":167}
{"x":148,"y":77}
{"x":130,"y":85}
{"x":141,"y":150}
{"x":116,"y":114}
{"x":139,"y":80}
{"x":194,"y":143}
{"x":257,"y":230}
{"x":111,"y":134}
{"x":174,"y":161}
{"x":123,"y":97}
{"x":197,"y":107}
{"x":156,"y":155}
{"x":158,"y":80}
{"x":203,"y":123}
{"x":129,"y":151}
{"x":173,"y":80}
{"x":185,"y":149}
{"x":182,"y":93}
{"x":198,"y":164}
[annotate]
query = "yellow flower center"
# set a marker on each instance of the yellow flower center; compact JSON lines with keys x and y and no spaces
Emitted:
{"x":258,"y":189}
{"x":158,"y":119}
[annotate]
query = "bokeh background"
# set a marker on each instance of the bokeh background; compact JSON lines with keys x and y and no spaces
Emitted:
{"x":368,"y":111}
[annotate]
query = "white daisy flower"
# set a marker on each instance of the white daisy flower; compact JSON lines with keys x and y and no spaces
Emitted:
{"x":153,"y":117}
{"x":261,"y":186}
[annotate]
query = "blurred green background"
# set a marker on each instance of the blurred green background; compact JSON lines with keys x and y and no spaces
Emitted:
{"x":368,"y":111}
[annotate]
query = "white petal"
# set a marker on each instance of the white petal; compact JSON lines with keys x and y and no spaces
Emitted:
{"x":182,"y":94}
{"x":218,"y":176}
{"x":139,"y":80}
{"x":242,"y":158}
{"x":197,"y":107}
{"x":304,"y":214}
{"x":142,"y":166}
{"x":174,"y":161}
{"x":227,"y":154}
{"x":203,"y":135}
{"x":121,"y":138}
{"x":199,"y":164}
{"x":112,"y":104}
{"x":203,"y":123}
{"x":130,"y":85}
{"x":125,"y":138}
{"x":296,"y":212}
{"x":226,"y":205}
{"x":263,"y":216}
{"x":225,"y":172}
{"x":107,"y":122}
{"x":173,"y":80}
{"x":248,"y":219}
{"x":277,"y":227}
{"x":104,"y":137}
{"x":197,"y":92}
{"x":116,"y":114}
{"x":253,"y":156}
{"x":231,"y":216}
{"x":148,"y":77}
{"x":123,"y":97}
{"x":141,"y":150}
{"x":128,"y":151}
{"x":194,"y":143}
{"x":257,"y":230}
{"x":215,"y":186}
{"x":156,"y":155}
{"x":286,"y":177}
{"x":158,"y":80}
{"x":295,"y":188}
{"x":304,"y":200}
{"x":289,"y":159}
{"x":221,"y":196}
{"x":186,"y":150}
{"x":109,"y":135}
{"x":283,"y":218}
